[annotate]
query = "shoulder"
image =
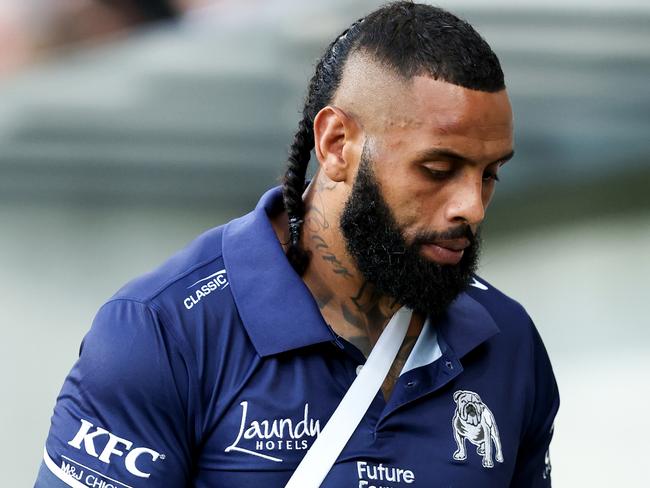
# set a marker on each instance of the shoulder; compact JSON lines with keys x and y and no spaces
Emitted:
{"x":509,"y":315}
{"x":518,"y":337}
{"x":183,"y":305}
{"x":188,"y":290}
{"x":141,"y":319}
{"x":203,"y":253}
{"x":518,"y":334}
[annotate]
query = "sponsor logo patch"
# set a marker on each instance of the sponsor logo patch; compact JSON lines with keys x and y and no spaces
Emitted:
{"x":203,"y":287}
{"x":373,"y":475}
{"x":477,"y":284}
{"x":546,"y":474}
{"x":108,"y":448}
{"x":474,"y":422}
{"x":269,"y":439}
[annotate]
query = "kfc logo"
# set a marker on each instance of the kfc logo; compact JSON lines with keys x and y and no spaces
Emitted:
{"x":113,"y":446}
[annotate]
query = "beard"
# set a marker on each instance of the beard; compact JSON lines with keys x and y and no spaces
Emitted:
{"x":397,"y":269}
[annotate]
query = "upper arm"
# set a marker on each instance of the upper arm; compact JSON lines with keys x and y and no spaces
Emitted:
{"x":124,"y":412}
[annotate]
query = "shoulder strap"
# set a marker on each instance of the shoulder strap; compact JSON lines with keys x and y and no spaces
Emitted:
{"x":321,"y":456}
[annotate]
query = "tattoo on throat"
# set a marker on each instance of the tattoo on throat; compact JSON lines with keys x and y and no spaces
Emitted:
{"x":367,"y":313}
{"x":315,"y":219}
{"x":324,"y":250}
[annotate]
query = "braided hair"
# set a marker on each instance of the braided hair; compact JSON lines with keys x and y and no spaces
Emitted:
{"x":410,"y":39}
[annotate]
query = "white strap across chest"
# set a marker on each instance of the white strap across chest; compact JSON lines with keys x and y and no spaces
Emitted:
{"x":323,"y":453}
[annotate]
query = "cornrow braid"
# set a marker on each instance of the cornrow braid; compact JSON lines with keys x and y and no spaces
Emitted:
{"x":322,"y":86}
{"x":410,"y":39}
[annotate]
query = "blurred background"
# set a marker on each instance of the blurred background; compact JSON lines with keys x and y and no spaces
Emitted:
{"x":128,"y":127}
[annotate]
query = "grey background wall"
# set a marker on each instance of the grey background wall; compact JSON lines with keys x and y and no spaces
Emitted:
{"x":114,"y":156}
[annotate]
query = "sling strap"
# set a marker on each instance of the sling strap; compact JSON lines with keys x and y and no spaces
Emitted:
{"x":322,"y":454}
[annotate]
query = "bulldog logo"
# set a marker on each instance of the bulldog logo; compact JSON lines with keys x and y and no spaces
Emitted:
{"x":474,"y":421}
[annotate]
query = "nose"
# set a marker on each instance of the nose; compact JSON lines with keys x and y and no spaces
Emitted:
{"x":466,"y":204}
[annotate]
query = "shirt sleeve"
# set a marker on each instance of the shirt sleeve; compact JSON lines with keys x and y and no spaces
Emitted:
{"x":123,"y":416}
{"x":533,"y":466}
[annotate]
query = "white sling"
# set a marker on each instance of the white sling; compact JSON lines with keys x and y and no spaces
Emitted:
{"x":321,"y":456}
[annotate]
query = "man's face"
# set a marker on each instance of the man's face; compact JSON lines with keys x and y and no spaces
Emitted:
{"x":421,"y":191}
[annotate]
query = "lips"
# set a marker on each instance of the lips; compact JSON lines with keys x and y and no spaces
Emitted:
{"x":445,"y":252}
{"x":453,"y":244}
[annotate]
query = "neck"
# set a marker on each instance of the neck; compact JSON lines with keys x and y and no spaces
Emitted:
{"x":349,"y":304}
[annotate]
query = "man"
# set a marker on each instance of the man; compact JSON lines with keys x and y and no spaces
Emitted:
{"x":221,"y":367}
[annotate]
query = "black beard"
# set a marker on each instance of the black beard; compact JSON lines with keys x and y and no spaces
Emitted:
{"x":395,"y":268}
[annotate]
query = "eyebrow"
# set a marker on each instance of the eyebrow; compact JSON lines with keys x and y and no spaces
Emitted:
{"x":450,"y":155}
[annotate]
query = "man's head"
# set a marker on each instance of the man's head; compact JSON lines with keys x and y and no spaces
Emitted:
{"x":397,"y":267}
{"x":408,"y":110}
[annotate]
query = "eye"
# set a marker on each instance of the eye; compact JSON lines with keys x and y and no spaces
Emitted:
{"x":490,"y":176}
{"x":439,"y":174}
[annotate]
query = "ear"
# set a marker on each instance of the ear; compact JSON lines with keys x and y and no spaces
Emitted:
{"x":337,"y":144}
{"x":458,"y":394}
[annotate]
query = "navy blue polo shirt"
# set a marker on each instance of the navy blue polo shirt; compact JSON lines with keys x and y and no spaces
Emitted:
{"x":218,"y":370}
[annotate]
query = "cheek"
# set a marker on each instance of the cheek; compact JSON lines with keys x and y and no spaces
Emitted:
{"x":416,"y":203}
{"x":400,"y":195}
{"x":419,"y":210}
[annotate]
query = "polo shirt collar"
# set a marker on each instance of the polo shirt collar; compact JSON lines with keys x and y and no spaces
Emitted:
{"x":465,"y":325}
{"x":276,"y":307}
{"x":278,"y":310}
